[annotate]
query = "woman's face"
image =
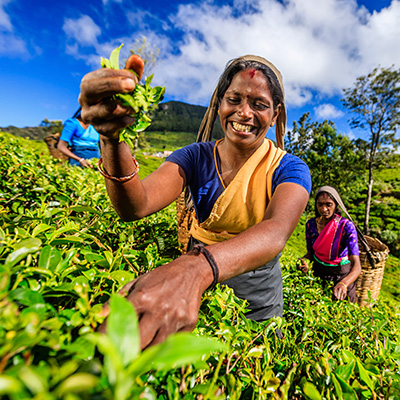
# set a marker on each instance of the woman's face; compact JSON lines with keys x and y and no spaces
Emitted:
{"x":325,"y":206}
{"x":246,"y":110}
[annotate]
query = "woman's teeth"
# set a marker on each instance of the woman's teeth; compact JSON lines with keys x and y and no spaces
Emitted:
{"x":240,"y":127}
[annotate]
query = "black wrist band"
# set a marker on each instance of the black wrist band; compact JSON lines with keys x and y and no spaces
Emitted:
{"x":197,"y":249}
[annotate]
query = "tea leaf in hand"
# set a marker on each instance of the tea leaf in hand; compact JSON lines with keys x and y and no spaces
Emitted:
{"x":142,"y":99}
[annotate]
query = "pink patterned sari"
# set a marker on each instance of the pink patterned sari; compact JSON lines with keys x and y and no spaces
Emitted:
{"x":326,"y":246}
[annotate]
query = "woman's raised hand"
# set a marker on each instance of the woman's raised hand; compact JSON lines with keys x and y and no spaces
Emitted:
{"x":99,"y":108}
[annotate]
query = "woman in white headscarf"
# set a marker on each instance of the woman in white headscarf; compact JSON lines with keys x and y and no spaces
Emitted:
{"x":332,"y":245}
{"x":248,"y":194}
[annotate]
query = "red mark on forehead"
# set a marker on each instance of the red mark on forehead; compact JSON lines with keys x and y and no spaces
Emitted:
{"x":252,"y":72}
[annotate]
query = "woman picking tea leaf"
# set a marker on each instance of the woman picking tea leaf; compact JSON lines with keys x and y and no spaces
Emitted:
{"x":79,"y":141}
{"x":248,"y":194}
{"x":332,"y":245}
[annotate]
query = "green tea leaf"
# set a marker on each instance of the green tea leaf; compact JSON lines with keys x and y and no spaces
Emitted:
{"x":49,"y":258}
{"x":9,"y":385}
{"x":77,"y":383}
{"x":346,"y":371}
{"x":311,"y":391}
{"x":26,"y":296}
{"x":123,"y":329}
{"x":179,"y":349}
{"x":364,"y":375}
{"x":347,"y":391}
{"x":22,"y":249}
{"x":141,"y":100}
{"x":114,"y":58}
{"x":39,"y":229}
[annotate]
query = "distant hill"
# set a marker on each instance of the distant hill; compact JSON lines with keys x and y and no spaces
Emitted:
{"x":31,"y":132}
{"x":176,"y":116}
{"x":171,"y":116}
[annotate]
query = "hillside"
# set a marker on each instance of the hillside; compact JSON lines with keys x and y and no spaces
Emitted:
{"x":171,"y":116}
{"x":176,"y":116}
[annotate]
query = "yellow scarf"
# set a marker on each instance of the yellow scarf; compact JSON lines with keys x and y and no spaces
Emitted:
{"x":244,"y":202}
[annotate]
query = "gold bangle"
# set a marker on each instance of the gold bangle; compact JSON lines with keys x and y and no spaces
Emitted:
{"x":126,"y":178}
{"x":341,"y":283}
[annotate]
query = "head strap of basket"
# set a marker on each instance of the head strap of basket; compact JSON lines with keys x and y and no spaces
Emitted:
{"x":335,"y":195}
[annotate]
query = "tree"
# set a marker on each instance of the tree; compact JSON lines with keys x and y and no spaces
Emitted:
{"x":149,"y":53}
{"x":375,"y":99}
{"x":333,"y":158}
{"x":52,"y":125}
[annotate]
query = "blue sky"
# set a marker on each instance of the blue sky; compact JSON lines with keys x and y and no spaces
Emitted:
{"x":320,"y":46}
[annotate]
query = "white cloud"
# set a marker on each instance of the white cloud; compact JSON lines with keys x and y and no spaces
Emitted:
{"x":138,"y":19}
{"x":10,"y":44}
{"x":318,"y":46}
{"x":105,"y":2}
{"x":82,"y":30}
{"x":5,"y":21}
{"x":327,"y":111}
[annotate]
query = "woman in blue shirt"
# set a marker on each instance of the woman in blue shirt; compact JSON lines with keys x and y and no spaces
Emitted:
{"x":79,"y":141}
{"x":248,"y":194}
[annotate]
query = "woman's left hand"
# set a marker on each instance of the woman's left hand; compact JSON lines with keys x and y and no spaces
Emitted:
{"x":340,"y":291}
{"x":85,"y":163}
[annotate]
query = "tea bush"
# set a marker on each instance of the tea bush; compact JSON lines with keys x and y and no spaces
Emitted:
{"x":64,"y":253}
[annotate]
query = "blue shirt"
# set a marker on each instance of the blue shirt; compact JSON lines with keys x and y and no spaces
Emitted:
{"x":76,"y":136}
{"x":197,"y":161}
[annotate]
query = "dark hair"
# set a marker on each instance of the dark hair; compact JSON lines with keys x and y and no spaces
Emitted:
{"x":232,"y":69}
{"x":337,"y":209}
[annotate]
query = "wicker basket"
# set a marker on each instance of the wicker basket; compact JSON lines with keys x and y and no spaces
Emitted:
{"x":184,"y":220}
{"x":370,"y":279}
{"x":51,"y":141}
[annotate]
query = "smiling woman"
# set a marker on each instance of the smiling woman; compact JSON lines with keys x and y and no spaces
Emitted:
{"x":248,"y":195}
{"x":332,"y":245}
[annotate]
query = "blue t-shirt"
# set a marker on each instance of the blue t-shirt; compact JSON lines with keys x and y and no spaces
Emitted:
{"x":197,"y":161}
{"x":76,"y":136}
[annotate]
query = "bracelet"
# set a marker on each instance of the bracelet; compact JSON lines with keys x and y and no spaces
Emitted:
{"x":126,"y":178}
{"x":79,"y":161}
{"x":341,"y":283}
{"x":197,"y":249}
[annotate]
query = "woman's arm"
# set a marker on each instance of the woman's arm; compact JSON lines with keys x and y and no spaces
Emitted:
{"x":136,"y":199}
{"x":304,"y":267}
{"x":132,"y":199}
{"x":63,"y":147}
{"x":167,"y":299}
{"x":340,"y":289}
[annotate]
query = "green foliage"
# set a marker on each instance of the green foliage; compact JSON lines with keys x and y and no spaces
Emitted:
{"x":34,"y":132}
{"x":143,"y":99}
{"x":176,"y":116}
{"x":374,"y":100}
{"x":64,"y":253}
{"x":333,"y":158}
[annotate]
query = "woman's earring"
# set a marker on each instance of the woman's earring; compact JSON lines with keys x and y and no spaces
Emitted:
{"x":272,"y":124}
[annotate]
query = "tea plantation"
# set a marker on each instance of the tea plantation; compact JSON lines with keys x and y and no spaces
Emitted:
{"x":64,"y":252}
